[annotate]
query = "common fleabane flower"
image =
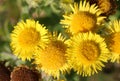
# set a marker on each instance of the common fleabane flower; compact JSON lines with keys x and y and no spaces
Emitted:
{"x":87,"y":53}
{"x":26,"y":37}
{"x":84,"y":18}
{"x":52,"y":59}
{"x":113,"y":40}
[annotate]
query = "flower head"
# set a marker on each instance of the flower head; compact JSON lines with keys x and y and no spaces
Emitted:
{"x":52,"y":59}
{"x":107,"y":6}
{"x":23,"y":73}
{"x":26,"y":37}
{"x":84,"y":18}
{"x":87,"y":53}
{"x":113,"y":40}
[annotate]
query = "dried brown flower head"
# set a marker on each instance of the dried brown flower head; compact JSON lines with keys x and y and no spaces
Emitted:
{"x":23,"y":73}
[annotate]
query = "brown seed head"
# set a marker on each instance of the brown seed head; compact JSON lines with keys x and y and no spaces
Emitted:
{"x":24,"y":74}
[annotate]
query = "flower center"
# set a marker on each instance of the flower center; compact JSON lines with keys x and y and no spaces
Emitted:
{"x":53,"y":57}
{"x":89,"y":50}
{"x":115,"y":42}
{"x":105,"y":5}
{"x":83,"y":22}
{"x":29,"y":37}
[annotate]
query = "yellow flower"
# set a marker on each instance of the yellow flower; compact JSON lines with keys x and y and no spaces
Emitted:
{"x":52,"y":59}
{"x":26,"y":37}
{"x":113,"y":40}
{"x":84,"y":18}
{"x":86,"y":53}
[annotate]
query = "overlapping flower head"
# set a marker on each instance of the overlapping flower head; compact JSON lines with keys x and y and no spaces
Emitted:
{"x":26,"y":37}
{"x":107,"y":6}
{"x":85,"y":17}
{"x":87,"y":53}
{"x":113,"y":40}
{"x":52,"y":59}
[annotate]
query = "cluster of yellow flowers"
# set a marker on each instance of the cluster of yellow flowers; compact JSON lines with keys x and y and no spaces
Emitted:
{"x":85,"y":50}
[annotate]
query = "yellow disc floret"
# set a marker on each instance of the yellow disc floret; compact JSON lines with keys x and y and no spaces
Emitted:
{"x":115,"y":43}
{"x":25,"y":39}
{"x":53,"y":57}
{"x":89,"y":50}
{"x":83,"y":22}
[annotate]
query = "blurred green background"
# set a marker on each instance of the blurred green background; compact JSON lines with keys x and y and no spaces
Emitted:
{"x":49,"y":13}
